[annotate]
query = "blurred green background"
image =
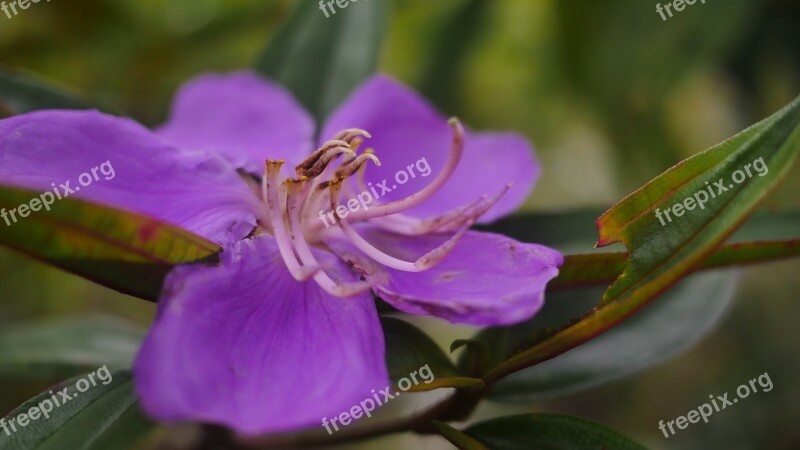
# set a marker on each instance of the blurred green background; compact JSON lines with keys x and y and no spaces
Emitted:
{"x":609,"y":93}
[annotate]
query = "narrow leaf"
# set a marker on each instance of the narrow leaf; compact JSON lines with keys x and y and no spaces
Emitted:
{"x":322,"y":59}
{"x":662,"y":252}
{"x":660,"y":255}
{"x":548,"y":431}
{"x":117,"y":249}
{"x":668,"y":327}
{"x":603,"y":268}
{"x":102,"y":415}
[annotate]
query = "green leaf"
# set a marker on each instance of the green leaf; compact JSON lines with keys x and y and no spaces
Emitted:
{"x":21,"y":93}
{"x":548,"y":432}
{"x":661,"y":331}
{"x":575,"y":231}
{"x":662,"y":255}
{"x":120,"y":250}
{"x":103,"y":417}
{"x":603,"y":268}
{"x":408,"y":349}
{"x":321,"y":60}
{"x":661,"y":252}
{"x":67,"y":347}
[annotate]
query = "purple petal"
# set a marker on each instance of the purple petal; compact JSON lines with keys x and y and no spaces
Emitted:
{"x":243,"y":344}
{"x":200,"y":193}
{"x":241,"y":116}
{"x":488,"y":279}
{"x":406,"y":129}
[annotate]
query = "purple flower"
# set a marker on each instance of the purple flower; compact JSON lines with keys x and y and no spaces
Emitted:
{"x":284,"y":331}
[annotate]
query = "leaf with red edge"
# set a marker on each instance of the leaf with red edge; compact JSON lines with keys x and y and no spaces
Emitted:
{"x":663,"y":251}
{"x":121,"y":250}
{"x":660,"y":255}
{"x":600,"y":268}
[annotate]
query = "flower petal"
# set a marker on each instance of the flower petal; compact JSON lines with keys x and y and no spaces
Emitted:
{"x":241,"y":116}
{"x":200,"y":193}
{"x":406,"y":129}
{"x":242,"y":344}
{"x":487,"y":279}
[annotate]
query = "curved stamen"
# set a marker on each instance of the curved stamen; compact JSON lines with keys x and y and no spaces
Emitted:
{"x":428,"y":191}
{"x":346,"y":141}
{"x":351,"y":167}
{"x":362,"y":184}
{"x":410,"y":226}
{"x":447,"y":222}
{"x":351,"y":134}
{"x":350,"y":138}
{"x":314,"y":157}
{"x":296,"y":194}
{"x":325,"y":159}
{"x":272,"y":196}
{"x":474,"y":212}
{"x":317,"y":195}
{"x":427,"y":261}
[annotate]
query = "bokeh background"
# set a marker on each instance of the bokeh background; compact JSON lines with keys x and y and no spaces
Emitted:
{"x":609,"y":93}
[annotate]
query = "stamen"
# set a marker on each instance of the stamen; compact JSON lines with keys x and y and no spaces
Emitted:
{"x":355,"y":144}
{"x":272,"y":197}
{"x":317,"y":195}
{"x":297,"y":191}
{"x":352,"y":166}
{"x":362,"y":185}
{"x":288,"y":204}
{"x":351,"y":134}
{"x":350,"y":138}
{"x":428,"y":191}
{"x":410,"y":226}
{"x":325,"y":159}
{"x":312,"y":159}
{"x":427,"y":261}
{"x":447,"y":222}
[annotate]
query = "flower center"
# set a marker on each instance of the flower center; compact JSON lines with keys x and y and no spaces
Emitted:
{"x":291,"y":204}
